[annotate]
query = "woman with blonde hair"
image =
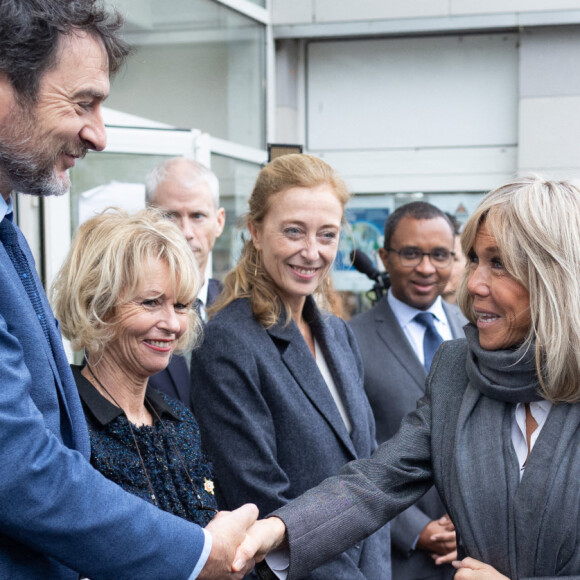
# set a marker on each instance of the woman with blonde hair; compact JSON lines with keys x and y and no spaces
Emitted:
{"x":124,"y":296}
{"x":279,"y":380}
{"x":498,"y":429}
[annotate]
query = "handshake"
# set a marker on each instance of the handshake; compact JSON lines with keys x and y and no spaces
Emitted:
{"x":239,"y":542}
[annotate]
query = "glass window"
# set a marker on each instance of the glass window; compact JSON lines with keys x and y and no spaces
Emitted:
{"x":109,"y":179}
{"x":366,"y":216}
{"x":237,"y":180}
{"x":197,"y":64}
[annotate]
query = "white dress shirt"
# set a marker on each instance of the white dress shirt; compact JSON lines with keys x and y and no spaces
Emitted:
{"x":415,"y":331}
{"x":540,"y":411}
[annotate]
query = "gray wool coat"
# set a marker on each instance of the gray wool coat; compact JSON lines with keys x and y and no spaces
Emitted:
{"x":270,"y":424}
{"x":394,"y":380}
{"x":542,"y":512}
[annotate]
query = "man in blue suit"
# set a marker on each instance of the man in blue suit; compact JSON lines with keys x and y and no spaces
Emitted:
{"x":60,"y":517}
{"x":189,"y":193}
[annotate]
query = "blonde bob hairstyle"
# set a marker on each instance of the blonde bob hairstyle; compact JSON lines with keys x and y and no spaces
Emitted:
{"x":249,"y":279}
{"x":536,"y":224}
{"x":105,"y":268}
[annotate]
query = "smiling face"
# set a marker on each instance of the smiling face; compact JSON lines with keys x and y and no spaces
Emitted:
{"x":418,"y":286}
{"x":298,"y":240}
{"x":149,"y":325}
{"x":39,"y":142}
{"x":500,"y":303}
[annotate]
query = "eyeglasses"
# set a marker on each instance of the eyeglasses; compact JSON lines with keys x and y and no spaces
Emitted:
{"x":412,"y":257}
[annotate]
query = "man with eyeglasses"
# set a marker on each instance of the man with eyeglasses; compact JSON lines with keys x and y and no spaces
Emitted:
{"x":398,"y":338}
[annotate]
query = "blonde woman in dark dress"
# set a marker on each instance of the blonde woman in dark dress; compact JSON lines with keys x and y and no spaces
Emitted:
{"x":124,"y":295}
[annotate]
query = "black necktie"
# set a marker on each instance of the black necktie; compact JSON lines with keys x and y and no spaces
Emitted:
{"x":431,"y":339}
{"x":9,"y":239}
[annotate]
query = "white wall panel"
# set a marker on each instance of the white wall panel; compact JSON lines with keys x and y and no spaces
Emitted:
{"x":292,"y":12}
{"x":504,"y":6}
{"x":549,"y":129}
{"x":549,"y":60}
{"x":329,"y":11}
{"x":427,"y":170}
{"x":413,"y":92}
{"x":341,"y":10}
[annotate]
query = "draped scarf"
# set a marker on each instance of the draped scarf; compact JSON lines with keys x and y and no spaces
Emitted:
{"x":524,"y":529}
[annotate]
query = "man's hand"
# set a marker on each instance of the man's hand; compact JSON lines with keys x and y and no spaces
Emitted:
{"x":472,"y":569}
{"x":228,"y":530}
{"x":438,"y":538}
{"x":263,"y":537}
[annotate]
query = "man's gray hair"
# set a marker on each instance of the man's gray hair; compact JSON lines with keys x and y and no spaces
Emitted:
{"x":195,"y":173}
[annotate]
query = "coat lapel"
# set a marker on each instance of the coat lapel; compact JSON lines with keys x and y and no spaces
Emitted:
{"x":73,"y":433}
{"x":391,"y":334}
{"x":302,"y":365}
{"x":179,"y":374}
{"x":348,"y":383}
{"x":455,"y":319}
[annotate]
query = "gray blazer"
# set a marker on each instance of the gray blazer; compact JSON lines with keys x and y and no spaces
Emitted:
{"x":270,"y":424}
{"x":394,"y":381}
{"x":367,"y":493}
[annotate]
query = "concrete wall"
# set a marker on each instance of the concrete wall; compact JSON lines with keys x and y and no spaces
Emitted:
{"x":549,"y":106}
{"x":542,"y":104}
{"x":318,"y":11}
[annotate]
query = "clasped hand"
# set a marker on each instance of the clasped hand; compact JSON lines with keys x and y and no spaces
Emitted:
{"x":439,"y":539}
{"x":239,"y":541}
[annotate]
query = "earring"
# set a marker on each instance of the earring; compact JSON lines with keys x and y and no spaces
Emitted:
{"x":256,"y":263}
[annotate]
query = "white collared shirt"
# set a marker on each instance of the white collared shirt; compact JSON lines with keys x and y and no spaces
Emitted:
{"x":202,"y":297}
{"x":540,"y":411}
{"x":415,"y":331}
{"x":328,"y":379}
{"x":5,"y":207}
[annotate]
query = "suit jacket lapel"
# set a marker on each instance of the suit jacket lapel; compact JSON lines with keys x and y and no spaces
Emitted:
{"x":179,"y":374}
{"x":55,"y":355}
{"x":455,"y":319}
{"x":390,"y":332}
{"x":214,"y":287}
{"x":302,"y":365}
{"x":348,"y":384}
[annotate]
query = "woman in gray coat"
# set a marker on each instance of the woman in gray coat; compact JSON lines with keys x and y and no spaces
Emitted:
{"x":498,"y":430}
{"x":277,"y":382}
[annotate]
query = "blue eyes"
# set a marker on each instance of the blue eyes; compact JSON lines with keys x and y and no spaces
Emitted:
{"x":495,"y":262}
{"x":297,"y":232}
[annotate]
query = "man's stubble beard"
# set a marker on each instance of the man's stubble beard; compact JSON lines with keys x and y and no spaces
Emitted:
{"x":25,"y":164}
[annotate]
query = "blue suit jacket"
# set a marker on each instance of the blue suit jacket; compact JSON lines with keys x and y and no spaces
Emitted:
{"x":270,"y":424}
{"x":174,"y":379}
{"x":57,"y":513}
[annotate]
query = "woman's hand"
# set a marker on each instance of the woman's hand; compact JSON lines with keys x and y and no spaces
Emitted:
{"x":472,"y":569}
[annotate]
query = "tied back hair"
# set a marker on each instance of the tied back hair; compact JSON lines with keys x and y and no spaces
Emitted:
{"x":249,"y":279}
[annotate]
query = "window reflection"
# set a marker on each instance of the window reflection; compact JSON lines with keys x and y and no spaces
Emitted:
{"x":197,"y":64}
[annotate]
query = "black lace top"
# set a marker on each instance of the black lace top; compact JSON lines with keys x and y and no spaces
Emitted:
{"x":161,"y":446}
